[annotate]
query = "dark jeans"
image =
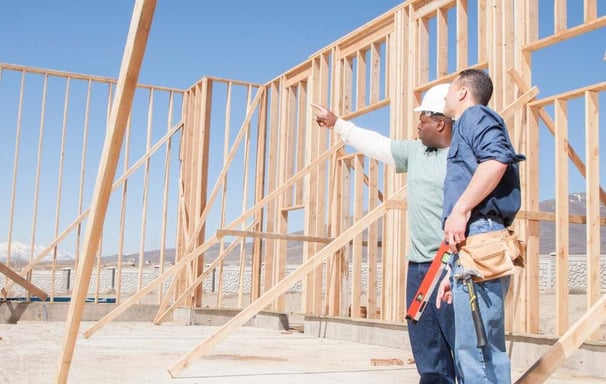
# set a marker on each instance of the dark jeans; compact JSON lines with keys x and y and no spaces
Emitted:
{"x":432,"y":337}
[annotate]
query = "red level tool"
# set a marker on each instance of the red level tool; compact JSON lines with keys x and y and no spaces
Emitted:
{"x":429,"y":283}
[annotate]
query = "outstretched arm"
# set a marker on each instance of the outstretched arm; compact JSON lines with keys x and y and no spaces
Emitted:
{"x":370,"y":143}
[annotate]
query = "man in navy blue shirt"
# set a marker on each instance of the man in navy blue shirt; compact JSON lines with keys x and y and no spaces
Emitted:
{"x":481,"y":194}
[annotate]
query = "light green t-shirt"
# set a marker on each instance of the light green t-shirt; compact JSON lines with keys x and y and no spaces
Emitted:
{"x":426,"y":171}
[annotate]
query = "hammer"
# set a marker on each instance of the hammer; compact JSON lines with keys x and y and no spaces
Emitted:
{"x":466,"y":276}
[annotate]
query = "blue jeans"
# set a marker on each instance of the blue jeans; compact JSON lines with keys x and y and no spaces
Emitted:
{"x":490,"y":364}
{"x":432,"y":337}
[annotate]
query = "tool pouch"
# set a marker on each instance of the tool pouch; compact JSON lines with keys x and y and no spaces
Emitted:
{"x":492,"y":254}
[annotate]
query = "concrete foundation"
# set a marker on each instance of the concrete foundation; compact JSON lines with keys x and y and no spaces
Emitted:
{"x":13,"y":312}
{"x":588,"y":360}
{"x":524,"y":350}
{"x":218,"y":317}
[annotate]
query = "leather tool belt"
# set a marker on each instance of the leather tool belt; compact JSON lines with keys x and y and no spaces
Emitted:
{"x":492,"y":254}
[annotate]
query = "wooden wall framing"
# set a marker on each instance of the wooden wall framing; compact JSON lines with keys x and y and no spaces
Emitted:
{"x":347,"y":77}
{"x":295,"y":176}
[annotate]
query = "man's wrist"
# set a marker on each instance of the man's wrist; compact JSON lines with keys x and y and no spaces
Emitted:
{"x":460,"y":208}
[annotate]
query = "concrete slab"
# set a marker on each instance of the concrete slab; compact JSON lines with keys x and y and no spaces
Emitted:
{"x":136,"y":352}
{"x":140,"y":352}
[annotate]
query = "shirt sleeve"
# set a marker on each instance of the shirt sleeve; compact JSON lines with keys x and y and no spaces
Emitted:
{"x":400,"y":150}
{"x":491,"y":142}
{"x":370,"y":143}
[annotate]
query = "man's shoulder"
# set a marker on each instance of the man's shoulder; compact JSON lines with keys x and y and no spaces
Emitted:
{"x":480,"y":115}
{"x":408,"y":145}
{"x":414,"y":146}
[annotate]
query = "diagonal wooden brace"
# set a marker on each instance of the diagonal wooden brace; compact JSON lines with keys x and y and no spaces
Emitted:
{"x":14,"y":276}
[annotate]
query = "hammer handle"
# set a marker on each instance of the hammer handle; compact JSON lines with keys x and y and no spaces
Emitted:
{"x":475,"y":313}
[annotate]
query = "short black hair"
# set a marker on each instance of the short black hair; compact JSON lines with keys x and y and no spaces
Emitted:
{"x":479,"y":84}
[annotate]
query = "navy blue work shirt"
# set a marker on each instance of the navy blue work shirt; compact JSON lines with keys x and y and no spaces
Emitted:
{"x":480,"y":135}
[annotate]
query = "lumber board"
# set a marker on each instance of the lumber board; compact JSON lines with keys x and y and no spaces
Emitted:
{"x":573,"y":94}
{"x":561,"y":224}
{"x":216,"y":189}
{"x":566,"y":34}
{"x":592,"y":186}
{"x":378,"y":34}
{"x":566,"y":345}
{"x":11,"y":274}
{"x":11,"y":215}
{"x":384,"y":362}
{"x":432,"y":7}
{"x":550,"y":216}
{"x":267,"y":235}
{"x":462,"y":33}
{"x":129,"y":72}
{"x":519,"y":102}
{"x":79,"y":76}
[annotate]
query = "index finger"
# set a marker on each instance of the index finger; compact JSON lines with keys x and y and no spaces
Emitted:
{"x":318,"y":106}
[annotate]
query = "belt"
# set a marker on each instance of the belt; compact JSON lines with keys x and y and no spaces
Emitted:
{"x":495,"y":218}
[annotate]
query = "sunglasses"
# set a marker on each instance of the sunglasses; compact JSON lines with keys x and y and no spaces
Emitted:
{"x":432,"y":114}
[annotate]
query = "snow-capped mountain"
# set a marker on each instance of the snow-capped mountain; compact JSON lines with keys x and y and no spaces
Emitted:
{"x":22,"y":252}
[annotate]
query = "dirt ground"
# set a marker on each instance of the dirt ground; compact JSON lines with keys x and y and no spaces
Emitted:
{"x":142,"y":353}
{"x":133,"y":353}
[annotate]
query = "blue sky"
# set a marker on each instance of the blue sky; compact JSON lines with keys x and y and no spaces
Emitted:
{"x":238,"y":39}
{"x":254,"y":41}
{"x":244,"y":40}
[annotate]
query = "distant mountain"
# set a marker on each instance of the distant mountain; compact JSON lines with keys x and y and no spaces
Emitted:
{"x":577,"y":234}
{"x":21,"y":252}
{"x":577,"y":237}
{"x":294,"y":251}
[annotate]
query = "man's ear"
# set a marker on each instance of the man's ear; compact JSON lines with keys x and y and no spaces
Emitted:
{"x":462,"y":93}
{"x":441,"y":125}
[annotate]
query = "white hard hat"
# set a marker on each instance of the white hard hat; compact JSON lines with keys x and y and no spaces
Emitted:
{"x":433,"y":101}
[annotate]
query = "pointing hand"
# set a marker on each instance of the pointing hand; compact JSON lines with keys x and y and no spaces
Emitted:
{"x":324,"y":117}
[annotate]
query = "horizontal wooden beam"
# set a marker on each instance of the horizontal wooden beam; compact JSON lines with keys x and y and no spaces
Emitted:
{"x":367,"y":109}
{"x":353,"y":47}
{"x":359,"y":33}
{"x":430,"y":9}
{"x":79,"y":76}
{"x":550,"y":216}
{"x":576,"y":93}
{"x":448,"y":78}
{"x":566,"y":34}
{"x":268,"y":235}
{"x":290,"y":237}
{"x":294,"y":207}
{"x":302,"y":73}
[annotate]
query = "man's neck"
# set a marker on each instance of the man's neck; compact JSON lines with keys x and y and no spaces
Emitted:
{"x":463,"y":109}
